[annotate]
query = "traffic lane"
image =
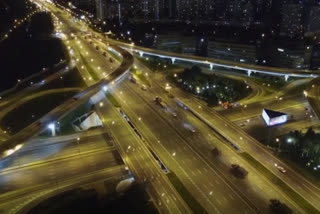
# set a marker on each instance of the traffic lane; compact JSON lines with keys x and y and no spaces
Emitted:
{"x":258,"y":129}
{"x":55,"y":150}
{"x":55,"y":171}
{"x":232,"y":132}
{"x":142,"y":164}
{"x":10,"y":201}
{"x":253,"y":189}
{"x":97,"y":54}
{"x":203,"y":145}
{"x":255,"y":109}
{"x":313,"y":96}
{"x":169,"y":202}
{"x":160,"y":154}
{"x":99,"y":64}
{"x":94,"y":132}
{"x":173,"y":144}
{"x":296,"y":112}
{"x":148,"y":172}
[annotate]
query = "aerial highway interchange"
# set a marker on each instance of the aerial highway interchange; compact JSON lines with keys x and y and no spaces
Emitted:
{"x":166,"y":132}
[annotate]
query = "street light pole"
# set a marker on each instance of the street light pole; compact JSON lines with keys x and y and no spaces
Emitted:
{"x":78,"y":143}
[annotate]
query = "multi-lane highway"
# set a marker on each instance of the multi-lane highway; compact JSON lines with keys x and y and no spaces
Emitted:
{"x":53,"y":164}
{"x":182,"y":137}
{"x":313,"y":94}
{"x":141,"y":162}
{"x":220,"y":130}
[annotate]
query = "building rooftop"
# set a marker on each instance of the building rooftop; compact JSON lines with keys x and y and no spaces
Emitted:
{"x":273,"y":114}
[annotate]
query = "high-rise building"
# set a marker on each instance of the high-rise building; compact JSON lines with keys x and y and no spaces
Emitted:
{"x":101,"y":8}
{"x":157,"y":9}
{"x":291,"y":20}
{"x":114,"y":9}
{"x":313,"y":19}
{"x":240,"y":12}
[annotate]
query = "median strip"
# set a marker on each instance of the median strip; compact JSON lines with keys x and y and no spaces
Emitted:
{"x":185,"y":194}
{"x":113,"y":100}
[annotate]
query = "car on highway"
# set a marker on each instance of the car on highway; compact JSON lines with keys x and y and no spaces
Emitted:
{"x":174,"y":114}
{"x":189,"y":127}
{"x":280,"y":168}
{"x":144,"y":88}
{"x":160,"y":102}
{"x":132,"y":79}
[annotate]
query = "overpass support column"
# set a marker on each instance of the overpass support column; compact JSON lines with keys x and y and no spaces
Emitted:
{"x":286,"y":77}
{"x":141,"y":53}
{"x":173,"y":60}
{"x":52,"y":127}
{"x":211,"y":66}
{"x":249,"y":73}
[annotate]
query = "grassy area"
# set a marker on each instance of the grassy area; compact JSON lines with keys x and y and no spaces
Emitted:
{"x":139,"y":75}
{"x":68,"y":80}
{"x":113,"y":100}
{"x":283,"y":186}
{"x":89,"y":68}
{"x":194,"y":205}
{"x":32,"y":110}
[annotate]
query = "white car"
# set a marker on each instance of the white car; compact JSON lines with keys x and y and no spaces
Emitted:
{"x":280,"y":168}
{"x":144,"y":87}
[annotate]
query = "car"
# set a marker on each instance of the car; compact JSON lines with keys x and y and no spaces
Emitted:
{"x":280,"y":168}
{"x":242,"y":124}
{"x":144,"y":87}
{"x":174,"y":114}
{"x":132,"y":79}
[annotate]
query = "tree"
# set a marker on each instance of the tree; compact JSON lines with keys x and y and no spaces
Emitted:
{"x":277,"y":207}
{"x":212,"y":99}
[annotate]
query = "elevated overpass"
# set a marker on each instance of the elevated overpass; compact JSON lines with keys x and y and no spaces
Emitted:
{"x":16,"y":141}
{"x":211,"y":63}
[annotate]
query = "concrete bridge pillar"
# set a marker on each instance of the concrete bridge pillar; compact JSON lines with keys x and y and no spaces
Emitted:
{"x":173,"y":60}
{"x":249,"y":73}
{"x":211,"y":66}
{"x":52,"y":127}
{"x":286,"y":77}
{"x":141,"y":53}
